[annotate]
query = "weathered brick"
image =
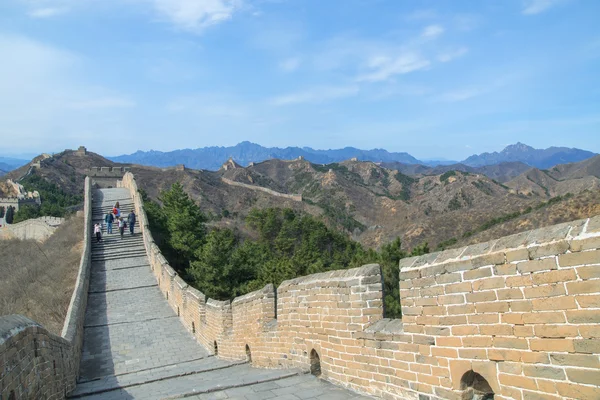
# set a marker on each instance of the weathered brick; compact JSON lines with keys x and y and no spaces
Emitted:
{"x":544,"y":318}
{"x":477,"y":273}
{"x":520,"y":305}
{"x":496,"y":330}
{"x":476,"y":354}
{"x":517,"y":381}
{"x":573,"y":391}
{"x":562,"y":275}
{"x":576,"y":360}
{"x":478,"y":297}
{"x":483,"y":319}
{"x":589,"y":272}
{"x":543,"y":371}
{"x":517,"y":255}
{"x":458,"y":287}
{"x":506,"y":269}
{"x":552,"y":345}
{"x":527,"y":395}
{"x":510,"y":343}
{"x":544,"y":291}
{"x":587,"y":346}
{"x":581,"y":258}
{"x":488,"y":283}
{"x":591,"y":301}
{"x":586,"y":376}
{"x":432,"y":291}
{"x":461,"y":309}
{"x":537,"y":265}
{"x":448,"y":278}
{"x":507,"y":294}
{"x":546,"y":386}
{"x":505,"y":355}
{"x":513,"y":318}
{"x":477,"y":341}
{"x":451,"y":299}
{"x":444,"y":352}
{"x":585,"y":244}
{"x":426,"y":301}
{"x":535,"y":357}
{"x":589,"y":331}
{"x":519,"y":281}
{"x":555,"y":331}
{"x":548,"y":249}
{"x":554,"y":303}
{"x":496,"y":306}
{"x":592,"y":286}
{"x":523,"y":331}
{"x":448,"y":341}
{"x":465,"y":330}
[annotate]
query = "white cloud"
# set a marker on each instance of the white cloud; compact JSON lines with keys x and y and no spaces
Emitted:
{"x":450,"y":55}
{"x":316,"y":95}
{"x":432,"y":31}
{"x":532,"y":7}
{"x":383,"y":68}
{"x":47,"y":12}
{"x":290,"y":64}
{"x":196,"y":15}
{"x":102,"y":102}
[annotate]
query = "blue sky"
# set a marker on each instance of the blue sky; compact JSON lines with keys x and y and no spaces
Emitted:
{"x":437,"y":79}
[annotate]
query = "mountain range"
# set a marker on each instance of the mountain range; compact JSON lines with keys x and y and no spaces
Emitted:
{"x":244,"y":153}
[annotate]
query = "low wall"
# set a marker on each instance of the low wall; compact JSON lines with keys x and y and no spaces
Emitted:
{"x":516,"y":316}
{"x":36,"y":228}
{"x":35,"y":364}
{"x":295,"y":197}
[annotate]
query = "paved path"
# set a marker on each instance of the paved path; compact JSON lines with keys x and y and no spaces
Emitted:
{"x":135,"y":347}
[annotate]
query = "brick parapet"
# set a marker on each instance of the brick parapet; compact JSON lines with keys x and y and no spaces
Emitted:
{"x":521,"y":311}
{"x":35,"y":364}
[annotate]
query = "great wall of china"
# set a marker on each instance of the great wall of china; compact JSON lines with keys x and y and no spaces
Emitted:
{"x":517,"y":317}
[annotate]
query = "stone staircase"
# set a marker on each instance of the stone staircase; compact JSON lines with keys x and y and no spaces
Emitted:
{"x":135,"y":347}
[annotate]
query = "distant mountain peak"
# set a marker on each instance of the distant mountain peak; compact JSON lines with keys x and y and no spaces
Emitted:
{"x":517,"y":147}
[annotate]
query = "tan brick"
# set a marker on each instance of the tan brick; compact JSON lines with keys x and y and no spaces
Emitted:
{"x":504,"y":355}
{"x":519,"y":281}
{"x":432,"y":291}
{"x":546,"y":386}
{"x":448,"y":278}
{"x":507,"y":294}
{"x":513,"y":318}
{"x":543,"y":371}
{"x":564,"y":275}
{"x":544,"y":318}
{"x":510,"y":343}
{"x":583,"y":287}
{"x":483,"y":319}
{"x":573,"y":391}
{"x":514,"y":368}
{"x":453,"y":320}
{"x":517,"y":255}
{"x":425,"y":301}
{"x":591,"y":301}
{"x":458,"y":287}
{"x":527,"y":395}
{"x":589,"y":331}
{"x":587,"y":346}
{"x":444,"y":352}
{"x":544,"y":291}
{"x":586,"y":376}
{"x":589,"y":272}
{"x":451,"y":299}
{"x":448,"y":341}
{"x":477,"y":273}
{"x":582,"y":258}
{"x":477,"y":341}
{"x":548,"y":249}
{"x":488,"y":283}
{"x":576,"y":360}
{"x":465,"y":330}
{"x":479,"y":297}
{"x":585,"y":244}
{"x":461,"y":310}
{"x":537,"y":265}
{"x":554,"y":303}
{"x":434,"y":310}
{"x":496,"y":330}
{"x":506,"y":269}
{"x":520,"y":305}
{"x":477,"y":354}
{"x":555,"y":331}
{"x":552,"y":345}
{"x":517,"y":381}
{"x":493,"y":307}
{"x":523,"y":331}
{"x":535,"y":357}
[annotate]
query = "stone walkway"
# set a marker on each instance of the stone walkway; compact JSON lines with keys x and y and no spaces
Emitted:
{"x":135,"y":347}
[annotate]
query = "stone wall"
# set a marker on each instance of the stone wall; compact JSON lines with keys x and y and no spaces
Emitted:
{"x":36,"y":228}
{"x":295,"y":197}
{"x":517,"y":317}
{"x":35,"y":364}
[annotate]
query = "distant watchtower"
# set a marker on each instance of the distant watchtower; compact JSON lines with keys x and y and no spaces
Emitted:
{"x":81,"y":151}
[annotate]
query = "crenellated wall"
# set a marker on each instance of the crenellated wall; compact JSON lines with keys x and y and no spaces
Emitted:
{"x":35,"y":364}
{"x":35,"y":228}
{"x":517,"y":316}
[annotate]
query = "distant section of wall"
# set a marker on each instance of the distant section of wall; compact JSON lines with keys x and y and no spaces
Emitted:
{"x":36,"y":228}
{"x":105,"y":177}
{"x":35,"y":364}
{"x":295,"y":197}
{"x":517,"y":317}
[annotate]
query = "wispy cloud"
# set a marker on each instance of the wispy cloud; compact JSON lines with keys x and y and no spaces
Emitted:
{"x":452,"y":54}
{"x":196,"y":15}
{"x":102,"y":102}
{"x":315,"y":95}
{"x":47,"y":12}
{"x":383,"y":68}
{"x":432,"y":31}
{"x":532,"y":7}
{"x":290,"y":64}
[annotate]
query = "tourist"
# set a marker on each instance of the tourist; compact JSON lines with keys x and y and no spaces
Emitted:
{"x":117,"y":210}
{"x":109,"y":219}
{"x":121,"y":226}
{"x":131,"y":221}
{"x":98,"y":232}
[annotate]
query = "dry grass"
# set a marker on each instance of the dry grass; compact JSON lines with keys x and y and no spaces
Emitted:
{"x":37,"y":279}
